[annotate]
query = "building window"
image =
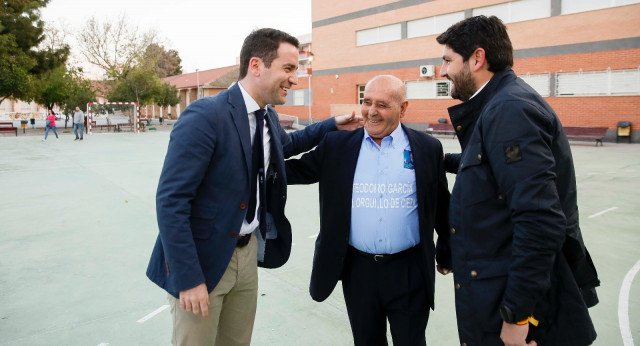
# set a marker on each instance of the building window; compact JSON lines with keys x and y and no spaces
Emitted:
{"x":298,"y":97}
{"x":539,"y":82}
{"x":575,"y":6}
{"x":443,"y":88}
{"x":517,"y":11}
{"x":422,"y":90}
{"x":620,"y":82}
{"x":432,"y":25}
{"x":380,"y":34}
{"x":361,"y":93}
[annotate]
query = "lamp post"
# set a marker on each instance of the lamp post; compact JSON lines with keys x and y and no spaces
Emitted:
{"x":198,"y":84}
{"x":309,"y":70}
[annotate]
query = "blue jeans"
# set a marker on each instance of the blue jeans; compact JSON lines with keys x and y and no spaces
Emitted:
{"x":46,"y":133}
{"x":77,"y":127}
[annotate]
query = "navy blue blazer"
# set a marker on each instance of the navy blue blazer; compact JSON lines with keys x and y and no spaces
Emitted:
{"x":333,"y":165}
{"x":204,"y":190}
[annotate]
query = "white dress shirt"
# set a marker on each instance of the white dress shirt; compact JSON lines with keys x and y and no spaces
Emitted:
{"x":253,"y":106}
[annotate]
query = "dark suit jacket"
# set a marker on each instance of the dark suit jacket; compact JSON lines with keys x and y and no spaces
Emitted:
{"x":333,"y":164}
{"x":204,"y":190}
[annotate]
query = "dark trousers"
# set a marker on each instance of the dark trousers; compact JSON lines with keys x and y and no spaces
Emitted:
{"x":377,"y":291}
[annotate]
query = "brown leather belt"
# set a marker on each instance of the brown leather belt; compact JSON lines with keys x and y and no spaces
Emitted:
{"x":385,"y":257}
{"x":243,"y":240}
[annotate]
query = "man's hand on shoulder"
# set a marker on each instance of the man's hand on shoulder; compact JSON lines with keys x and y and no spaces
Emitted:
{"x":196,"y":300}
{"x":348,"y":122}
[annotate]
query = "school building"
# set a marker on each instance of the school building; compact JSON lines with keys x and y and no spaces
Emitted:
{"x":582,"y":56}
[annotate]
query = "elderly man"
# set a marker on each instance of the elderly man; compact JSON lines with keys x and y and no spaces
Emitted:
{"x":383,"y":190}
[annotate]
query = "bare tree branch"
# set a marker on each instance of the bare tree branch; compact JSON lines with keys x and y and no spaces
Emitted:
{"x":114,"y":46}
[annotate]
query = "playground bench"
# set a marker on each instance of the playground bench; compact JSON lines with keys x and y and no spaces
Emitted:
{"x":586,"y":133}
{"x":439,"y":128}
{"x":102,"y":126}
{"x":121,"y":126}
{"x":8,"y":127}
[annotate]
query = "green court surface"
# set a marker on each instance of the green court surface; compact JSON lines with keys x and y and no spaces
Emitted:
{"x":77,"y":225}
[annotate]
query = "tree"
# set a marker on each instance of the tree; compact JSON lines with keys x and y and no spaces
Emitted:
{"x":21,"y":31}
{"x":167,"y":95}
{"x":63,"y":87}
{"x":139,"y":84}
{"x":164,"y":62}
{"x":81,"y":92}
{"x":52,"y":88}
{"x":116,"y":47}
{"x":15,"y":80}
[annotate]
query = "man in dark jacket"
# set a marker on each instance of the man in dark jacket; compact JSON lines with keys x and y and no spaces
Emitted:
{"x":522,"y":274}
{"x":383,"y":191}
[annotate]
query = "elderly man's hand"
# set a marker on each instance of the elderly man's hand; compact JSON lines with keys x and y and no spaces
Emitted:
{"x":348,"y":122}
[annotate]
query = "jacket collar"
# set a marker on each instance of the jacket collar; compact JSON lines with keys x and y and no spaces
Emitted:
{"x":241,"y":121}
{"x":465,"y":115}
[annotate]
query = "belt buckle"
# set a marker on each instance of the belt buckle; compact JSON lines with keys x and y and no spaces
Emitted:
{"x":376,"y":257}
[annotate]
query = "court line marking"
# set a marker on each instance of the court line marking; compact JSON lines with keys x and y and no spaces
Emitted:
{"x":155,"y":312}
{"x":603,"y":212}
{"x":623,"y":305}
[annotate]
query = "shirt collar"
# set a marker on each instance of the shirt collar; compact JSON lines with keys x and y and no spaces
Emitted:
{"x":397,"y":134}
{"x":479,"y":90}
{"x":249,"y":102}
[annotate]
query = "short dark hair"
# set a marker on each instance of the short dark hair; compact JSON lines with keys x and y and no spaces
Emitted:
{"x":263,"y":43}
{"x":489,"y":33}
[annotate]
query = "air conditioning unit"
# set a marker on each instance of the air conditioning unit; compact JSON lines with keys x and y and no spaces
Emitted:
{"x":427,"y":71}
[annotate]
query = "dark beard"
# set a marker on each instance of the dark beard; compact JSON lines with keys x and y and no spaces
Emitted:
{"x":464,"y":86}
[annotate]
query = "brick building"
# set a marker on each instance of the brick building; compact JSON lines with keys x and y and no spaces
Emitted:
{"x":582,"y":56}
{"x":192,"y":86}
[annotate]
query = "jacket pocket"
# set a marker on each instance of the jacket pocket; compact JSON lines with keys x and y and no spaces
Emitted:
{"x":476,"y":179}
{"x":202,"y":221}
{"x":488,"y":280}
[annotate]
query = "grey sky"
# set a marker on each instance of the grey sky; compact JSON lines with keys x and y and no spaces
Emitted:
{"x":207,"y":34}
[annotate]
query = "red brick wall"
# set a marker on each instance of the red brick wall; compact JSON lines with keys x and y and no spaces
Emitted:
{"x":573,"y":111}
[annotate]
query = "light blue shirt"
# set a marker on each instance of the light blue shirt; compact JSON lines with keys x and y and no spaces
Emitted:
{"x":384,"y":204}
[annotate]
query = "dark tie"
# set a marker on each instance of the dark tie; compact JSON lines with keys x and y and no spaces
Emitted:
{"x":257,"y":165}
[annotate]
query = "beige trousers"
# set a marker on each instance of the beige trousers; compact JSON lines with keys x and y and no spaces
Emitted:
{"x":232,"y":310}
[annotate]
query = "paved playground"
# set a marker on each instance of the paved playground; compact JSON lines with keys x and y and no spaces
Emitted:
{"x":77,"y":225}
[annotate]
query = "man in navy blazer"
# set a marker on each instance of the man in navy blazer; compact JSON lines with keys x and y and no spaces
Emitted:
{"x":383,"y":190}
{"x":208,"y":247}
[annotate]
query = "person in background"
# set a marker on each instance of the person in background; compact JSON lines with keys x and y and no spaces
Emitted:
{"x":78,"y":121}
{"x":522,"y":274}
{"x":50,"y":122}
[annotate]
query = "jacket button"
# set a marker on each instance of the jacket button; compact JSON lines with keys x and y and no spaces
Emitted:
{"x":234,"y":234}
{"x":459,"y":128}
{"x":479,"y":156}
{"x":474,"y":273}
{"x":243,"y":206}
{"x":453,"y":230}
{"x":463,"y":344}
{"x":457,"y":286}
